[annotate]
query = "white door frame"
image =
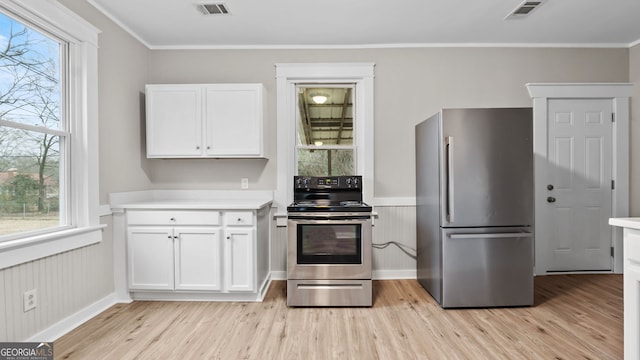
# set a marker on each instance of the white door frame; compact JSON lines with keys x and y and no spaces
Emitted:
{"x":619,"y":93}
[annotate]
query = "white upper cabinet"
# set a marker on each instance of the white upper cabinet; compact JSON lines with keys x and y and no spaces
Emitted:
{"x":204,"y":120}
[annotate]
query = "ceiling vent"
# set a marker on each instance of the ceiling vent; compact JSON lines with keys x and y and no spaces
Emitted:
{"x":524,"y":9}
{"x":214,"y":9}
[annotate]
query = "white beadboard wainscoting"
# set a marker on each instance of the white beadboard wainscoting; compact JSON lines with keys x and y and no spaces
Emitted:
{"x":394,"y":238}
{"x":72,"y":287}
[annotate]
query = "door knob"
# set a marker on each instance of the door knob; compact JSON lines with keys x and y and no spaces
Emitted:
{"x":549,"y":187}
{"x":551,"y":199}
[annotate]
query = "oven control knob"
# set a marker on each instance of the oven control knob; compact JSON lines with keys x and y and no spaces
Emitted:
{"x":355,"y":182}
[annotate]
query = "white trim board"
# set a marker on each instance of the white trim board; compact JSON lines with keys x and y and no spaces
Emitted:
{"x":66,"y":325}
{"x":288,"y":76}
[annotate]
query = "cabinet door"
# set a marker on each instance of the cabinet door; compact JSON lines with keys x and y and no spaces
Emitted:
{"x":631,"y":293}
{"x":198,"y":260}
{"x":150,"y":258}
{"x":239,"y":257}
{"x":174,"y":120}
{"x":234,"y":120}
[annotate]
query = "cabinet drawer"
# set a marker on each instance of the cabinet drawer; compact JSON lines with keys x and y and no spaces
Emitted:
{"x":173,"y":217}
{"x":238,"y":218}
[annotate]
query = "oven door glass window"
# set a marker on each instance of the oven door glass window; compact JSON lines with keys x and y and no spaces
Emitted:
{"x":329,"y":244}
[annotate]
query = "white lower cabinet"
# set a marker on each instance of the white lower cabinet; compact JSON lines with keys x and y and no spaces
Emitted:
{"x":162,"y":258}
{"x":198,"y":260}
{"x":631,"y":293}
{"x":150,"y":258}
{"x":239,"y":255}
{"x":201,"y":252}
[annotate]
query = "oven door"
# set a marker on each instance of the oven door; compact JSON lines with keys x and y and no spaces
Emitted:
{"x":329,"y":246}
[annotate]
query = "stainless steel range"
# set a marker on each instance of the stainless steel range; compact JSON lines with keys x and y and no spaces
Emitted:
{"x":329,"y":243}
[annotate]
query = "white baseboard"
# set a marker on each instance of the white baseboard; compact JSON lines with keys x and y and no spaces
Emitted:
{"x":71,"y":322}
{"x":394,"y":274}
{"x":279,"y":275}
{"x":377,"y":274}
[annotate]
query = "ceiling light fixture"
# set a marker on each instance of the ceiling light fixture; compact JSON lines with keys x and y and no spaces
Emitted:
{"x":318,"y":143}
{"x":319,"y":99}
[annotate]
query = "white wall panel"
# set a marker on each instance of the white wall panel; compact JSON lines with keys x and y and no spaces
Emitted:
{"x":395,"y":229}
{"x":65,"y":283}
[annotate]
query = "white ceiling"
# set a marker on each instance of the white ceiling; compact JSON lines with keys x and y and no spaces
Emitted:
{"x":375,"y":23}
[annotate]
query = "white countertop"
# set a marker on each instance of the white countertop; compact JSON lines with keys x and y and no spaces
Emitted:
{"x":632,"y":223}
{"x":192,"y":199}
{"x":226,"y":204}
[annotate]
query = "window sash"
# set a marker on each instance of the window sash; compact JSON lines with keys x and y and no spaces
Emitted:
{"x":64,"y":218}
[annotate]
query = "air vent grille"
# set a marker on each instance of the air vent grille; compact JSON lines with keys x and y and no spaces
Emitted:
{"x":525,"y":8}
{"x":214,"y":9}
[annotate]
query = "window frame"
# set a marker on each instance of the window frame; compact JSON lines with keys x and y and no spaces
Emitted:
{"x":288,"y":77}
{"x":81,"y":109}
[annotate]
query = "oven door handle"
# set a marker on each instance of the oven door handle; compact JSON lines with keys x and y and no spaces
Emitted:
{"x":329,"y":217}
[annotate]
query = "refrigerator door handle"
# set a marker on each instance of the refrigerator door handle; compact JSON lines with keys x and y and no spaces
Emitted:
{"x":490,"y":236}
{"x":449,"y":143}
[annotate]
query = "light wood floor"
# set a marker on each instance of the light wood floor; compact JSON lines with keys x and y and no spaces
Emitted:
{"x":574,"y":317}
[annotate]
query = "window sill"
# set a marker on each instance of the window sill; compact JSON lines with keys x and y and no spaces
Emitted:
{"x":23,"y":250}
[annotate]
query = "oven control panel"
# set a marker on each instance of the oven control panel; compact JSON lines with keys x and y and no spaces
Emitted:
{"x":327,"y":182}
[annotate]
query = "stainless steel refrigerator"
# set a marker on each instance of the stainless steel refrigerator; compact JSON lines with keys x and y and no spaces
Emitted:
{"x":474,"y":193}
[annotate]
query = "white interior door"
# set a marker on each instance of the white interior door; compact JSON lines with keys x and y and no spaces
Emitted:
{"x":579,"y":187}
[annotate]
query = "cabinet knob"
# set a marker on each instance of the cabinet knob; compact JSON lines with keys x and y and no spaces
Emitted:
{"x":239,"y":219}
{"x":228,"y":237}
{"x":173,"y":219}
{"x":551,"y":199}
{"x":197,"y":147}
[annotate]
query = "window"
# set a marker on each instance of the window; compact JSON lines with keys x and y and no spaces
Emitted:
{"x":325,"y":128}
{"x":48,"y":131}
{"x":33,"y":130}
{"x":299,"y":149}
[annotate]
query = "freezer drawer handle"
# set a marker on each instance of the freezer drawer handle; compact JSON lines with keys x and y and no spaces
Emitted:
{"x":489,"y":236}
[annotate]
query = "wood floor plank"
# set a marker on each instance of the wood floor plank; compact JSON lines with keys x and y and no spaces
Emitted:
{"x":574,"y":317}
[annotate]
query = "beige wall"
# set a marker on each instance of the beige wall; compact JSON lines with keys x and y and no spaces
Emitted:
{"x":122,"y":74}
{"x":410,"y":85}
{"x":634,"y":77}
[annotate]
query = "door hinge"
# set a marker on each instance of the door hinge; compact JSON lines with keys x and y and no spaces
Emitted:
{"x":613,"y":184}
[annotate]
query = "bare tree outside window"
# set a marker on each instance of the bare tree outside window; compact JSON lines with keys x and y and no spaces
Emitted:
{"x":32,"y":133}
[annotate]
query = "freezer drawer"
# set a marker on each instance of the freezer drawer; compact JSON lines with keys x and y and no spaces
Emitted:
{"x":485,"y":267}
